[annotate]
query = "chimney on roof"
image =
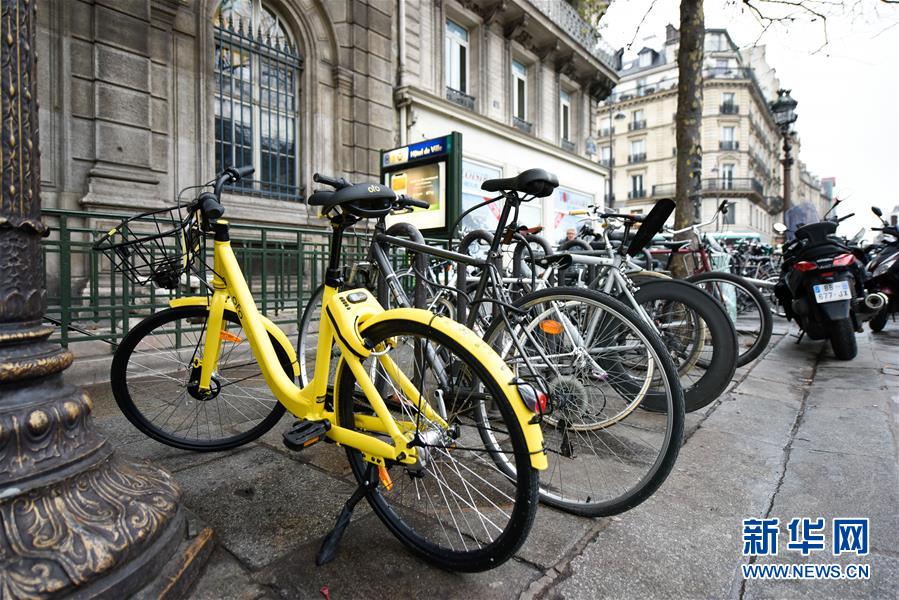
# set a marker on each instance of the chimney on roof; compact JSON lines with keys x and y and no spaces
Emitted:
{"x":672,"y":34}
{"x":619,"y":59}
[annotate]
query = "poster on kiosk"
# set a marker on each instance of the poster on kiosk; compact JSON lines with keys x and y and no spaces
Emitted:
{"x":428,"y":170}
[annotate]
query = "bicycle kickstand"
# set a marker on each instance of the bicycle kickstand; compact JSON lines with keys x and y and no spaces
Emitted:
{"x":330,"y":544}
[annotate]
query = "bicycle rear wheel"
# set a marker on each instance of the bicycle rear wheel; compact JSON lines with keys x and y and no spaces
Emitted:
{"x":151,"y":373}
{"x":454,"y":507}
{"x":600,"y":362}
{"x":746,"y":307}
{"x":699,"y":336}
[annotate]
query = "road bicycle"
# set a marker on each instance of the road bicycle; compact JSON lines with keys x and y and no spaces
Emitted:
{"x":594,"y":358}
{"x":211,"y":373}
{"x":746,"y":305}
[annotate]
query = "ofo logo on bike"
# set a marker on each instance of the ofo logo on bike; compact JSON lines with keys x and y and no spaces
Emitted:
{"x":806,"y":536}
{"x":374,"y":188}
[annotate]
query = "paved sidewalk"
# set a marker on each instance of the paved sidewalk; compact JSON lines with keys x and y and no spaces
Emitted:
{"x":798,"y":435}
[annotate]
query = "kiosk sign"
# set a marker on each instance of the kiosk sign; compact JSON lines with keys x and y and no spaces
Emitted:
{"x":429,"y":170}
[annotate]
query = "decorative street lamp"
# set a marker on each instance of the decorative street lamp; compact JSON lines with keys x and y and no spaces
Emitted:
{"x":76,"y":517}
{"x":784,"y":110}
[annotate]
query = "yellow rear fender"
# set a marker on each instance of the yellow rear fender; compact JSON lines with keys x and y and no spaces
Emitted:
{"x":487,"y":356}
{"x":278,"y":336}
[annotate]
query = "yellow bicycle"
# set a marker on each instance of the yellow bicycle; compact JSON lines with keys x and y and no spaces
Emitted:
{"x":211,"y":372}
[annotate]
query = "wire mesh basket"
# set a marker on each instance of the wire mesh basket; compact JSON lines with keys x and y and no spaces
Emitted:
{"x":156,"y":247}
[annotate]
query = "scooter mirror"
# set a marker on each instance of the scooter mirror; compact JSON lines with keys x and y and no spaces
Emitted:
{"x":780,"y":228}
{"x":876,"y":211}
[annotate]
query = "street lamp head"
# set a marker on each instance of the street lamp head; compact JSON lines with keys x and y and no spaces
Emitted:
{"x":619,"y":115}
{"x":784,"y":108}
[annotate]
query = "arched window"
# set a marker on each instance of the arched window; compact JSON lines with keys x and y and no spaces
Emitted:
{"x":257,"y":75}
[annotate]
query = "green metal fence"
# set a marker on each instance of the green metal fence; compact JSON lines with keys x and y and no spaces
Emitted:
{"x":283,"y":266}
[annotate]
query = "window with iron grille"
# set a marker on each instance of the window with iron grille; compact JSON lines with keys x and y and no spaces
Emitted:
{"x":257,"y":76}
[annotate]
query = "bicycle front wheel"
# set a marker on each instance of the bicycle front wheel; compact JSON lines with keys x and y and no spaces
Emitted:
{"x":151,"y":378}
{"x":601,"y":362}
{"x":454,"y":507}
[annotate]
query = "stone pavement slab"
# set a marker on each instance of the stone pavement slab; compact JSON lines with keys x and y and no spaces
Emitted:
{"x":262,"y":504}
{"x":798,"y":434}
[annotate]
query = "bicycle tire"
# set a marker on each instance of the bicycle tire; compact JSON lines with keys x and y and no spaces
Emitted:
{"x":720,"y":366}
{"x":388,"y":503}
{"x":153,"y":326}
{"x":755,"y":347}
{"x":589,"y":503}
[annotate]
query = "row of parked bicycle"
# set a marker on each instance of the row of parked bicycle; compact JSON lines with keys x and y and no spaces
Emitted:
{"x":517,"y":361}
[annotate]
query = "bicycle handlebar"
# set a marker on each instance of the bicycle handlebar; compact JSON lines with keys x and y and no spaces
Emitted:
{"x":404,"y":201}
{"x":608,"y":215}
{"x":337,"y":183}
{"x":701,"y":225}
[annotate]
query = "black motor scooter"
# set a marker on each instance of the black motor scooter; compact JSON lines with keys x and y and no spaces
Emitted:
{"x":822,"y":286}
{"x":883,"y":269}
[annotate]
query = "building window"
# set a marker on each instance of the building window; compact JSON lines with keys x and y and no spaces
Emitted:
{"x":645,"y":59}
{"x":638,"y":151}
{"x":456,"y":57}
{"x":519,"y":91}
{"x":727,"y":98}
{"x":728,"y":139}
{"x":715,"y":42}
{"x":637,"y":190}
{"x":727,"y":177}
{"x":565,"y":115}
{"x":641,"y":86}
{"x":638,"y":120}
{"x":605,"y":155}
{"x":257,"y":72}
{"x":730,"y":217}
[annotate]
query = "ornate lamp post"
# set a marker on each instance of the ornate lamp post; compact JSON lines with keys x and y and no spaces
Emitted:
{"x":784,"y":109}
{"x":75,"y":517}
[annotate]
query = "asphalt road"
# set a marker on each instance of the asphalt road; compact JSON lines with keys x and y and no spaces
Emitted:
{"x":799,"y":434}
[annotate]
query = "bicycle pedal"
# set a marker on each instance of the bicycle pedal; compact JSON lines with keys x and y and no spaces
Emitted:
{"x":305,"y":433}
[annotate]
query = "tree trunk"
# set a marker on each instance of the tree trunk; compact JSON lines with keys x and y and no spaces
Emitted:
{"x":688,"y":126}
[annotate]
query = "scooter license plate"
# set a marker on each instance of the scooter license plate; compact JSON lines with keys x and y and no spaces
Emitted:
{"x":831,"y":292}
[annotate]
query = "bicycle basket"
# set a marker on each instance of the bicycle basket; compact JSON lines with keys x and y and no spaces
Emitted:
{"x":156,"y":246}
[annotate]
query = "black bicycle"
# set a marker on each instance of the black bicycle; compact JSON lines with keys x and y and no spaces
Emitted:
{"x":594,"y":359}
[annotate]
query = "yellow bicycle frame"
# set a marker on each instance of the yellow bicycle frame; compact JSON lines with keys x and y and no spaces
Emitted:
{"x":230,"y":292}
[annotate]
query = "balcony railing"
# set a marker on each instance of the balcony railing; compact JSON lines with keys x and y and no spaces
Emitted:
{"x":460,"y":98}
{"x":636,"y":125}
{"x":567,"y":19}
{"x":522,"y":125}
{"x":729,"y":109}
{"x":636,"y":158}
{"x":569,"y":146}
{"x":716,"y":184}
{"x":609,"y":198}
{"x":633,"y":194}
{"x":606,"y":132}
{"x":728,"y":145}
{"x":607,"y":162}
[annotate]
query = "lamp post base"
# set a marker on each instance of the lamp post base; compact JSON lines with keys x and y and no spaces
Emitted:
{"x":77,"y":519}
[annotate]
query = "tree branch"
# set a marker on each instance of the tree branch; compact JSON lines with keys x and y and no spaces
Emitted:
{"x":803,"y":6}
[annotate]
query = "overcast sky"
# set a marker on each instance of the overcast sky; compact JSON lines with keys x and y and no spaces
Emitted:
{"x":848,"y":91}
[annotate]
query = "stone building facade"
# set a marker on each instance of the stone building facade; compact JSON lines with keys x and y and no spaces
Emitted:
{"x":740,"y":140}
{"x":137,"y":95}
{"x":141,"y":98}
